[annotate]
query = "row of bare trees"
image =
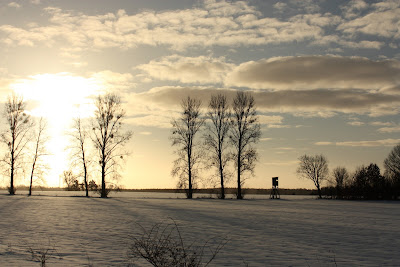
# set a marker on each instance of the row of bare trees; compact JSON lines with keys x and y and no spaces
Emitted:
{"x":25,"y":137}
{"x":366,"y":182}
{"x":229,"y":136}
{"x":23,"y":133}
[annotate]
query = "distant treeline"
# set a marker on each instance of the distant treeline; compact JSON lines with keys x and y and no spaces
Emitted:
{"x":250,"y":191}
{"x":366,"y":183}
{"x":247,"y":191}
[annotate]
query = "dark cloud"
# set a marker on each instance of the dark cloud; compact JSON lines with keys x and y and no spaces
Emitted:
{"x":309,"y":72}
{"x":301,"y":102}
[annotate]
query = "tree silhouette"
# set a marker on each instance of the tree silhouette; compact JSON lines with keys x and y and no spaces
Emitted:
{"x":314,"y":168}
{"x":184,"y":131}
{"x":216,"y":137}
{"x":16,"y":137}
{"x":70,"y":180}
{"x":245,"y":131}
{"x":341,"y":176}
{"x":39,"y":152}
{"x":392,"y":170}
{"x":78,"y":148}
{"x":108,"y":136}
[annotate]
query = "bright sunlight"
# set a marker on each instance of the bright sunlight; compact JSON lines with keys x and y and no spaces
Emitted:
{"x":59,"y":98}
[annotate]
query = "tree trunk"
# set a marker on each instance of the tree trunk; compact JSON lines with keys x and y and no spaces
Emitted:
{"x":103,"y":181}
{"x":189,"y":195}
{"x":239,"y":186}
{"x":221,"y":173}
{"x":30,"y":184}
{"x":85,"y":177}
{"x":11,"y":190}
{"x":319,"y":191}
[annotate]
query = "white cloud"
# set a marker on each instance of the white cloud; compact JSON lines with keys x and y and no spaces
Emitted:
{"x":383,"y":21}
{"x":270,"y":120}
{"x":371,"y":143}
{"x":212,"y":23}
{"x":324,"y":143}
{"x":150,"y":121}
{"x":114,"y":81}
{"x":280,"y":7}
{"x":395,"y":129}
{"x":14,"y":5}
{"x":200,"y":69}
{"x":356,"y":123}
{"x":381,"y":123}
{"x":266,"y":139}
{"x":374,"y":143}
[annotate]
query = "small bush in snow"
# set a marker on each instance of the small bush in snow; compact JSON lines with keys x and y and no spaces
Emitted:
{"x":163,"y":246}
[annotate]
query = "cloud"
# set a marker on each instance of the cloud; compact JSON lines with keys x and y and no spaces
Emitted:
{"x":381,"y":123}
{"x":395,"y":129}
{"x":14,"y":5}
{"x":322,"y":102}
{"x":353,"y":8}
{"x":356,"y":123}
{"x":375,"y":143}
{"x":209,"y":24}
{"x":266,"y":139}
{"x":372,"y":143}
{"x":114,"y":81}
{"x":382,"y":20}
{"x":200,"y":69}
{"x":150,"y":121}
{"x":271,"y":121}
{"x":311,"y":72}
{"x":324,"y":143}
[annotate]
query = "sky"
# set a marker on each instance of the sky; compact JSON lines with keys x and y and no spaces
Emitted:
{"x":325,"y":75}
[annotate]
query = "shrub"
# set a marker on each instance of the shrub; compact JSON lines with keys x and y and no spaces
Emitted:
{"x":164,"y":246}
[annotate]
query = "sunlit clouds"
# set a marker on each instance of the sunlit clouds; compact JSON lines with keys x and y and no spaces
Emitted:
{"x":214,"y":23}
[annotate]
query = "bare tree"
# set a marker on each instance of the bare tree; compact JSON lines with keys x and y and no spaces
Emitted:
{"x":70,"y":180}
{"x":245,"y":131}
{"x":314,"y":168}
{"x":215,"y":139}
{"x":392,"y":163}
{"x":108,"y":136}
{"x":341,"y":175}
{"x":79,"y":149}
{"x":392,"y":170}
{"x":16,"y":137}
{"x":184,"y":131}
{"x":38,"y":166}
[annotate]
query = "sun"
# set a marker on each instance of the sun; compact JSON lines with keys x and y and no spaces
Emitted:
{"x":58,"y":98}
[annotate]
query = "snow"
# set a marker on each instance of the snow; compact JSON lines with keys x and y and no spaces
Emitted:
{"x":292,"y":231}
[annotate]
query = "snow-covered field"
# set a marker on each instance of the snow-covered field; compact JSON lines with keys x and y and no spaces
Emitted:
{"x":293,"y":231}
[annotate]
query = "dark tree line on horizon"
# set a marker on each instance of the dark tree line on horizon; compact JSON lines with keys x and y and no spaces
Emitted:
{"x":365,"y":183}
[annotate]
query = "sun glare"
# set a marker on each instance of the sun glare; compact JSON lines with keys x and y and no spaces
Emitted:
{"x":59,"y":98}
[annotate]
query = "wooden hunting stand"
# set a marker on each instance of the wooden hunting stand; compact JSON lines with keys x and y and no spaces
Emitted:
{"x":274,"y":190}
